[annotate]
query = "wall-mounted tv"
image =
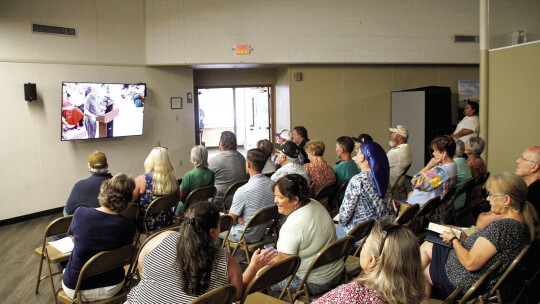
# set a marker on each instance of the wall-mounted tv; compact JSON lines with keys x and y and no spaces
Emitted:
{"x":101,"y":110}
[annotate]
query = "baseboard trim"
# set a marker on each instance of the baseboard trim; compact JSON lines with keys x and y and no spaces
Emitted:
{"x":30,"y":216}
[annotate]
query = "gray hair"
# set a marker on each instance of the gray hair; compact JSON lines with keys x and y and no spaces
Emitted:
{"x":289,"y":159}
{"x":460,"y":149}
{"x":477,"y":145}
{"x":199,"y":157}
{"x":98,"y":171}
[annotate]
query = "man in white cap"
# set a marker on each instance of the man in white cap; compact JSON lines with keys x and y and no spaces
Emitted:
{"x":282,"y":137}
{"x":400,"y":158}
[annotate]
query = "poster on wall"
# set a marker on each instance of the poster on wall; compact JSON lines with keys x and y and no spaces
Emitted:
{"x":468,"y":90}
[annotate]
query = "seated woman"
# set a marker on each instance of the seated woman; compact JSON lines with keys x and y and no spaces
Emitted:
{"x":320,"y":172}
{"x":392,"y":268}
{"x":96,"y":230}
{"x":463,"y":172}
{"x":502,"y":240}
{"x":307,"y":230}
{"x":200,"y":176}
{"x":178,"y":266}
{"x":439,"y":175}
{"x":158,"y":180}
{"x":474,"y":148}
{"x":368,"y":194}
{"x":268,"y":149}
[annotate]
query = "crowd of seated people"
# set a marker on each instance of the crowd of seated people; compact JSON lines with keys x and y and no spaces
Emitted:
{"x":181,"y":264}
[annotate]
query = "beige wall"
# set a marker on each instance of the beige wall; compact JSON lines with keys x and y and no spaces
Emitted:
{"x":336,"y":100}
{"x":39,"y":170}
{"x":282,"y":107}
{"x":514,"y":104}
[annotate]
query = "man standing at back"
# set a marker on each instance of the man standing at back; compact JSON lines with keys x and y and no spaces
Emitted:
{"x":228,"y":166}
{"x":300,"y":138}
{"x":346,"y":168}
{"x":399,"y":158}
{"x":85,"y":192}
{"x":528,"y":167}
{"x":250,"y":198}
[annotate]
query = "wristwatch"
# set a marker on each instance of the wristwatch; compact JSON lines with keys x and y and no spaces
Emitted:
{"x":452,"y":241}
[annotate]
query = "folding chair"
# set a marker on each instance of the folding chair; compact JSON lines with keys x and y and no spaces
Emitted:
{"x":442,"y":205}
{"x":222,"y":295}
{"x":419,"y":222}
{"x":324,"y":194}
{"x":406,"y":217}
{"x":495,"y":293}
{"x":132,"y":211}
{"x":225,"y":224}
{"x":398,"y":183}
{"x":453,"y":213}
{"x":268,"y":276}
{"x":335,"y":203}
{"x":201,"y":194}
{"x":261,"y":217}
{"x":49,"y":253}
{"x":352,"y":263}
{"x":100,"y":263}
{"x":269,"y":174}
{"x":475,"y":292}
{"x":331,"y":253}
{"x":229,"y":193}
{"x":165,"y":203}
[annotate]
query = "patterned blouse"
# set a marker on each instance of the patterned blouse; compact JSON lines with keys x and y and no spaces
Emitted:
{"x":361,"y":202}
{"x":321,"y":174}
{"x":509,"y":237}
{"x":478,"y":168}
{"x":156,"y":220}
{"x":350,"y":293}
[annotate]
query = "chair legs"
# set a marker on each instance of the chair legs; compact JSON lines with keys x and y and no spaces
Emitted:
{"x":39,"y":273}
{"x":45,"y":256}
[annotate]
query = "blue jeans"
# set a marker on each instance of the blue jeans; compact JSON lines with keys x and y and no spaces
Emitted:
{"x":314,"y":289}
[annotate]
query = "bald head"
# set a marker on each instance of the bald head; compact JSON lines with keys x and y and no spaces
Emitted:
{"x":528,"y":165}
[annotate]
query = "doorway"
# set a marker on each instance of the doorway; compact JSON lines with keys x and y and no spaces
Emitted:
{"x":245,"y":111}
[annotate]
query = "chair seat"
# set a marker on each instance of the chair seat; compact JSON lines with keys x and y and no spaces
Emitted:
{"x":261,"y":298}
{"x":267,"y":239}
{"x":120,"y":297}
{"x":352,"y":266}
{"x":55,"y":255}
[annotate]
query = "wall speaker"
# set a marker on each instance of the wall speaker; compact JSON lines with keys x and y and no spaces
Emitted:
{"x":30,"y":92}
{"x":298,"y":76}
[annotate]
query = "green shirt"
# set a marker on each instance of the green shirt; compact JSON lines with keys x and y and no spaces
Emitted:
{"x":345,"y":170}
{"x":197,"y":178}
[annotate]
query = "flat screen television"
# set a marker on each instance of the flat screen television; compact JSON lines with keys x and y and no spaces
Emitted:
{"x":101,"y":110}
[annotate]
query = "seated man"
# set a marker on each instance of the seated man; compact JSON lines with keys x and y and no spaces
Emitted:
{"x":288,"y":153}
{"x":400,"y":158}
{"x":347,"y":167}
{"x":85,"y":192}
{"x":228,"y":166}
{"x":257,"y":194}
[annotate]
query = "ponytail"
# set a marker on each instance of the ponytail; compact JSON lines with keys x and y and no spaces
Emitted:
{"x":530,"y":217}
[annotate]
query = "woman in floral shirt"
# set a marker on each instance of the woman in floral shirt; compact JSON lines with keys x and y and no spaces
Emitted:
{"x":320,"y":172}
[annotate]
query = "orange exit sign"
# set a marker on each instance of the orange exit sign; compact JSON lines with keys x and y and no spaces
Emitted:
{"x":242,"y":49}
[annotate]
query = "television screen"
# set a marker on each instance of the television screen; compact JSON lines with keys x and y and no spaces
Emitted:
{"x":101,"y":110}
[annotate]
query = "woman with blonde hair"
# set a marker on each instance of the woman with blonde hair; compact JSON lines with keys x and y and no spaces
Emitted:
{"x":502,"y":240}
{"x":392,"y":268}
{"x":158,"y":180}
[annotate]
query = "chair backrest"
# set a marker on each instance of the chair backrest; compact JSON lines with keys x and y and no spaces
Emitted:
{"x":479,"y":285}
{"x":272,"y":274}
{"x":325,"y":192}
{"x":428,"y":207}
{"x":229,"y":193}
{"x":263,"y":216}
{"x":105,"y":261}
{"x":132,"y":211}
{"x":207,"y":193}
{"x":514,"y":266}
{"x":406,"y":217}
{"x":163,"y":203}
{"x":465,"y":187}
{"x":225,"y":222}
{"x":331,"y":253}
{"x":222,"y":295}
{"x":401,"y":177}
{"x":269,"y":174}
{"x":58,"y":226}
{"x":337,"y":194}
{"x":445,"y":198}
{"x":361,"y":230}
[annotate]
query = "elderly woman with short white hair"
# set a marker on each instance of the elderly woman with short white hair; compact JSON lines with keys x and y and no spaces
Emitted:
{"x":200,"y":176}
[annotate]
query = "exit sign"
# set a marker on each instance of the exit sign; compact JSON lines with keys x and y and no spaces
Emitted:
{"x":242,"y":49}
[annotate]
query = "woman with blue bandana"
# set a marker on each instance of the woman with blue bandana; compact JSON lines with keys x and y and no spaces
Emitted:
{"x":368,"y":195}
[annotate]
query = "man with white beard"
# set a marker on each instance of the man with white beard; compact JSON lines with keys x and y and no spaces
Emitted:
{"x":400,"y":158}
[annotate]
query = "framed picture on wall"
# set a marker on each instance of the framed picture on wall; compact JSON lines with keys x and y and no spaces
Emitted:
{"x":176,"y":102}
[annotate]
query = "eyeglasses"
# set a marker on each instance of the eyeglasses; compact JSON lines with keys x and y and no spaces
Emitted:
{"x":532,"y":161}
{"x":493,"y":194}
{"x":385,"y":234}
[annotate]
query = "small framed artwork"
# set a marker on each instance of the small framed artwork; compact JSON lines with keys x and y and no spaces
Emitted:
{"x":176,"y":102}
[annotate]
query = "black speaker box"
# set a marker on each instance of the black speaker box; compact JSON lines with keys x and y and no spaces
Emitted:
{"x":30,"y":92}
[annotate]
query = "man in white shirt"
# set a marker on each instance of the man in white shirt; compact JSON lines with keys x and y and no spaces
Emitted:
{"x":400,"y":158}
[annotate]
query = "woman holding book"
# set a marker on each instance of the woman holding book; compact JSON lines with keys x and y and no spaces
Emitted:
{"x":502,"y":240}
